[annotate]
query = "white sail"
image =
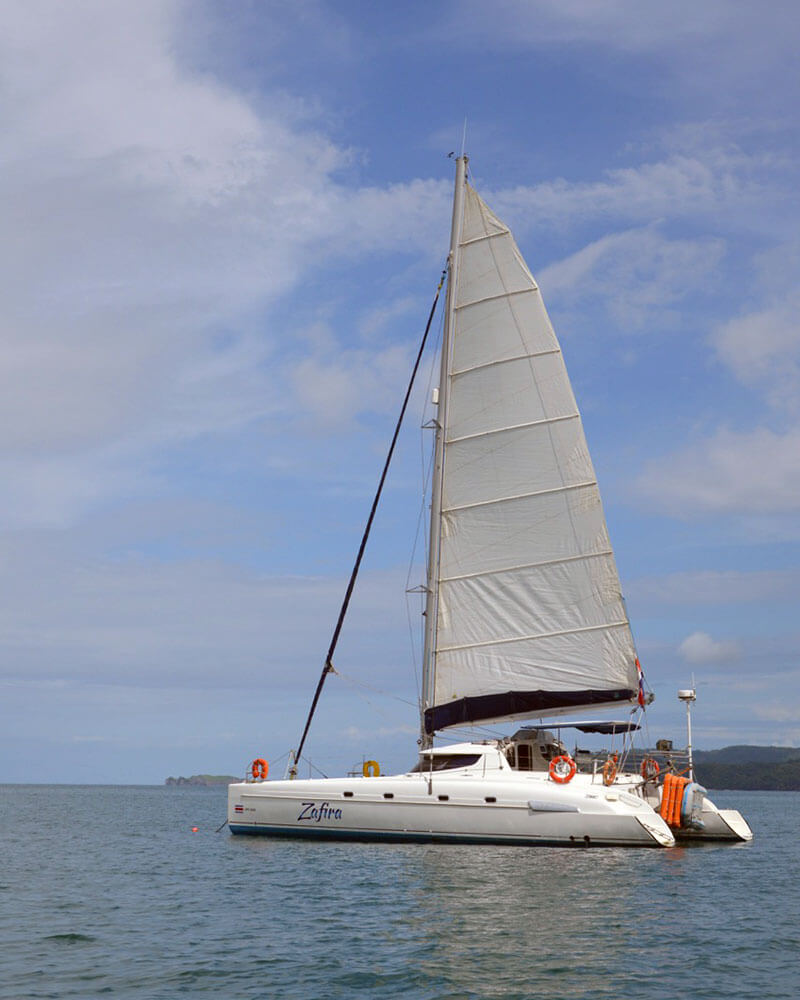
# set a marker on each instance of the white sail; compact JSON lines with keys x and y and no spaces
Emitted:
{"x":529,"y":616}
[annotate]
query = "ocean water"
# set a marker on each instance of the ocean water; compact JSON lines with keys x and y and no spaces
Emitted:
{"x":106,"y":891}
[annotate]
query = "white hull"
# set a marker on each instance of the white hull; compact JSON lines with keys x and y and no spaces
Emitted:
{"x":527,"y":809}
{"x":718,"y":824}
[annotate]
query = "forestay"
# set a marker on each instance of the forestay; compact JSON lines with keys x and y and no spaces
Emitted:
{"x":529,"y":614}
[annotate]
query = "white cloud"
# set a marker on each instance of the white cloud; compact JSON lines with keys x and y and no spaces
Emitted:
{"x":762,"y":349}
{"x":636,"y":274}
{"x":676,"y":186}
{"x":152,"y":210}
{"x":133,"y":229}
{"x":620,"y":24}
{"x":751,"y":472}
{"x":332,"y":388}
{"x":717,"y":587}
{"x":51,"y":490}
{"x":778,"y":712}
{"x":376,"y":319}
{"x":139,"y":622}
{"x":699,"y":647}
{"x":703,"y":179}
{"x":720,"y":50}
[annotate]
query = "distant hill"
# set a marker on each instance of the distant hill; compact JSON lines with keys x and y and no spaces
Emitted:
{"x":203,"y":780}
{"x":749,"y":768}
{"x":749,"y":755}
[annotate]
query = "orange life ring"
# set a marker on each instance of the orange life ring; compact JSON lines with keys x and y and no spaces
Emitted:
{"x":650,"y":769}
{"x":610,"y":770}
{"x":562,"y":769}
{"x":259,"y":768}
{"x":371,"y":769}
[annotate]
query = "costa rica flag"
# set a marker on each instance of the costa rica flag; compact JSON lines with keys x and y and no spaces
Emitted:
{"x":641,"y":683}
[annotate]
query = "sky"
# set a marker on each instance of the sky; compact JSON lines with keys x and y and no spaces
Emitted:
{"x":224,"y":224}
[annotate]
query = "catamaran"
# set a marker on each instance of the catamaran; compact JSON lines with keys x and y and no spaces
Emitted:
{"x":524,"y":616}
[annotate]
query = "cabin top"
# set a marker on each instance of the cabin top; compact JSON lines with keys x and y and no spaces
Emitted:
{"x":527,"y":750}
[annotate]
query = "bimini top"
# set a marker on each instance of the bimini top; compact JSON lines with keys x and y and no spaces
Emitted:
{"x":604,"y":726}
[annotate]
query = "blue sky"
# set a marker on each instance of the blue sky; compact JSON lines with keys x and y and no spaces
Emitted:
{"x":224,"y":224}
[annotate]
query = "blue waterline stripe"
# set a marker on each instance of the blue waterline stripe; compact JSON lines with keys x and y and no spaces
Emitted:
{"x":418,"y":838}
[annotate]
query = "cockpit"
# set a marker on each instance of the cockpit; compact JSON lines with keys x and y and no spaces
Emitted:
{"x":532,"y":749}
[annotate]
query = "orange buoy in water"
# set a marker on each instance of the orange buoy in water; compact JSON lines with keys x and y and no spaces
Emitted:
{"x":194,"y":829}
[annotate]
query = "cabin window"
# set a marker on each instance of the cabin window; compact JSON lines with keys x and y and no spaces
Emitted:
{"x":524,"y":757}
{"x":347,"y":795}
{"x":491,"y":798}
{"x":388,"y":795}
{"x":445,"y":762}
{"x":444,"y":798}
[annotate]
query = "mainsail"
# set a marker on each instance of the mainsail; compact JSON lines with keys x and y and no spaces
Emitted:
{"x":527,"y":615}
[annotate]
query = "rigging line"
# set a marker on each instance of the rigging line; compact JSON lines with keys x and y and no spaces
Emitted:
{"x":312,"y":767}
{"x":647,"y":690}
{"x":352,"y":582}
{"x":412,"y":639}
{"x":427,"y":479}
{"x":646,"y":736}
{"x":369,"y":687}
{"x":377,"y":711}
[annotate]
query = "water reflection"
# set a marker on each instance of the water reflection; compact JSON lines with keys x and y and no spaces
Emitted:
{"x":522,"y":922}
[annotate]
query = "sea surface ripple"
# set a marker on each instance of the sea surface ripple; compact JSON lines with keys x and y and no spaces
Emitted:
{"x":105,"y":891}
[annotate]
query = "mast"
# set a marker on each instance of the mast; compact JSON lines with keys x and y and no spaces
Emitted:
{"x":432,"y":586}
